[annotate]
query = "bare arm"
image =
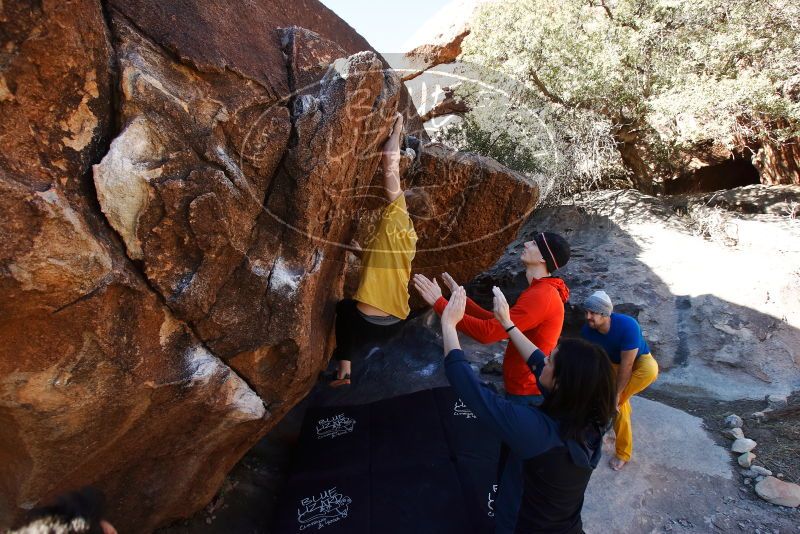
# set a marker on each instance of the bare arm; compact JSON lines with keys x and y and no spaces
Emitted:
{"x":390,"y":159}
{"x":502,"y":313}
{"x":627,"y":357}
{"x":453,"y":313}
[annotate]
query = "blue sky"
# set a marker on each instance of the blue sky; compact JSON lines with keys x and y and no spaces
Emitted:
{"x":386,"y":25}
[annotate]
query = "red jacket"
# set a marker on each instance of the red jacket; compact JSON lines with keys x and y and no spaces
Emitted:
{"x":538,"y":313}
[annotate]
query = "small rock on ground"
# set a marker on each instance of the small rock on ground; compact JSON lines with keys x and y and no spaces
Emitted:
{"x":758,"y":470}
{"x":743,"y":445}
{"x":493,"y":367}
{"x":733,"y":421}
{"x":779,"y":492}
{"x":746,"y":459}
{"x":734,"y":433}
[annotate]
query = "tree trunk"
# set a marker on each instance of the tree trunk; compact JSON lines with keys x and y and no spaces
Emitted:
{"x":635,"y":155}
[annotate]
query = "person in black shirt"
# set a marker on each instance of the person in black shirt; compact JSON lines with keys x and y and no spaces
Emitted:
{"x":560,"y":441}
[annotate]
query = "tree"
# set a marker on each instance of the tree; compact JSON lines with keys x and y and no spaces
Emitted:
{"x":657,"y":76}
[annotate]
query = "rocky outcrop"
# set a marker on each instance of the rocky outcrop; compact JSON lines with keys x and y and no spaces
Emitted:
{"x":438,"y":41}
{"x":100,"y":383}
{"x":178,"y":184}
{"x":465,"y":207}
{"x":712,"y":167}
{"x":779,"y":163}
{"x":712,"y":282}
{"x":476,"y":205}
{"x":429,"y":55}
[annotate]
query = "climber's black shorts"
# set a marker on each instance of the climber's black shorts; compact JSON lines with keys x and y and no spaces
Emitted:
{"x":355,"y":335}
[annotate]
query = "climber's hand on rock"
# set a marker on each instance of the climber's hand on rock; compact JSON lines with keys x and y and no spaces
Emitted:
{"x":454,"y":311}
{"x":449,"y":282}
{"x":429,"y":290}
{"x":501,"y":310}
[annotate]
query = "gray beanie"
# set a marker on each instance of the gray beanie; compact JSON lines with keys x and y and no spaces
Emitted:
{"x":599,"y":302}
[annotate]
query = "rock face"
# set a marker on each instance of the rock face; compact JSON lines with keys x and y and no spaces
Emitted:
{"x":711,"y":167}
{"x":779,"y":163}
{"x":100,"y":383}
{"x":438,"y":41}
{"x":177,"y":183}
{"x":427,"y":56}
{"x":712,"y":281}
{"x":476,"y":210}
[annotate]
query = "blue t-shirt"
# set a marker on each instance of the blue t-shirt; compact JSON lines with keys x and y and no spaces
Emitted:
{"x":624,"y":334}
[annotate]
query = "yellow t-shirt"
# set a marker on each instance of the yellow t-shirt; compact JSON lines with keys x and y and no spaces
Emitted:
{"x":386,"y":265}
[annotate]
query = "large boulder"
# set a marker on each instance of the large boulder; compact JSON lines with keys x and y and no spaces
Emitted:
{"x":100,"y":383}
{"x":295,"y":261}
{"x":179,"y":183}
{"x":438,"y":41}
{"x":465,"y":208}
{"x":476,"y":208}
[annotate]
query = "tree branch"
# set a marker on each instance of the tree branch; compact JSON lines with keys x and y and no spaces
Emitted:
{"x":543,"y":89}
{"x":608,"y":9}
{"x":602,"y":4}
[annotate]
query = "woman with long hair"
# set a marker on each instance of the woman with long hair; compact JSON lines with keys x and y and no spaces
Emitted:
{"x":558,"y":442}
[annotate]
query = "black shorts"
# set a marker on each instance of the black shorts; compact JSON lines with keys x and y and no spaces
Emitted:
{"x":355,"y":336}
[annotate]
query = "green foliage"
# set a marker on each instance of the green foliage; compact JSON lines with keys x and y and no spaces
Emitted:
{"x":564,"y":150}
{"x":667,"y":73}
{"x":498,"y":144}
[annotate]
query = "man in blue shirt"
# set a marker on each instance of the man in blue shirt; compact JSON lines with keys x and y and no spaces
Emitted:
{"x":621,"y":337}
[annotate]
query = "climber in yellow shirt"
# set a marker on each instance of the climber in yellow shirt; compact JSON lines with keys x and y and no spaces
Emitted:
{"x":379,"y":307}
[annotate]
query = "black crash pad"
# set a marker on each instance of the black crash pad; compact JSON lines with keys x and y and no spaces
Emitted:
{"x":416,"y":463}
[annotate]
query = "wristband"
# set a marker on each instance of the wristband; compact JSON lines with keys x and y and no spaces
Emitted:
{"x":510,"y":328}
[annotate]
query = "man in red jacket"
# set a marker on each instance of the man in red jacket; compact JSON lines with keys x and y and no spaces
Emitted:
{"x":539,"y":314}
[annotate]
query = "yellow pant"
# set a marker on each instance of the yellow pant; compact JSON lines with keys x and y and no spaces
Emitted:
{"x":645,"y":372}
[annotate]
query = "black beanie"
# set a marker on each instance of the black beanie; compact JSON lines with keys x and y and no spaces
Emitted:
{"x":553,"y":248}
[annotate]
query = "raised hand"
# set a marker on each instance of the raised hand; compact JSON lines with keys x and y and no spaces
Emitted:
{"x":454,"y":311}
{"x":429,"y":290}
{"x":524,"y":346}
{"x":390,"y":158}
{"x":449,"y":282}
{"x":391,"y":148}
{"x":501,"y":309}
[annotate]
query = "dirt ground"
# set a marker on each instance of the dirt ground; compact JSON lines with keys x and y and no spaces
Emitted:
{"x":778,"y":440}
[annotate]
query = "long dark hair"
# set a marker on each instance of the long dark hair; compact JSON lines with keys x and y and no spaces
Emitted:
{"x":584,"y":392}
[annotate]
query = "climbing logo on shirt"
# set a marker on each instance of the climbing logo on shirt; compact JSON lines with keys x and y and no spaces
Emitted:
{"x":335,"y":426}
{"x":461,"y":409}
{"x":490,"y":501}
{"x":329,"y":507}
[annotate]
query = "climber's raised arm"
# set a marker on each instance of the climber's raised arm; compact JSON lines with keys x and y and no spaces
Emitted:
{"x":390,"y":160}
{"x":502,"y":313}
